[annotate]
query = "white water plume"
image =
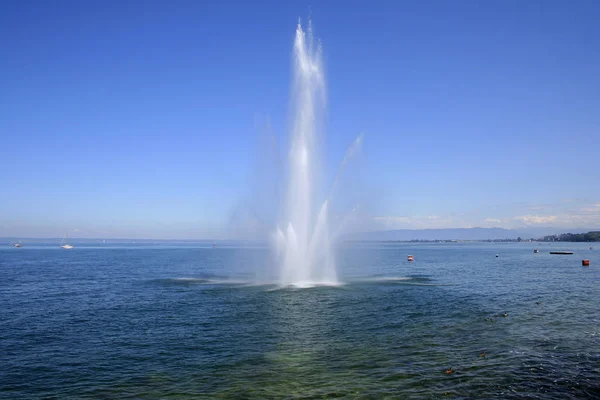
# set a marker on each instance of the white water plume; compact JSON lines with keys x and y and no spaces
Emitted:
{"x":303,"y":241}
{"x":304,"y":249}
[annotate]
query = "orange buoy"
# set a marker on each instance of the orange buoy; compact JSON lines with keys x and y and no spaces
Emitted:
{"x":585,"y":263}
{"x":411,"y":258}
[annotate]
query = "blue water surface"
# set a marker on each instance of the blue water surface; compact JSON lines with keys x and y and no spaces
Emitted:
{"x":191,"y":321}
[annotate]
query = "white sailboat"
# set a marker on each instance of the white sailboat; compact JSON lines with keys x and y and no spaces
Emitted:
{"x":64,"y":244}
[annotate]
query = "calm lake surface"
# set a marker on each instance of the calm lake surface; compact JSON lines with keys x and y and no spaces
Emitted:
{"x":190,"y":321}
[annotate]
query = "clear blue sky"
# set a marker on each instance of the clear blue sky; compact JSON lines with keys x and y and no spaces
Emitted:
{"x":138,"y":118}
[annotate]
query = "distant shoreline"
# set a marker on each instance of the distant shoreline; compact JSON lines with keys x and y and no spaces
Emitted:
{"x":377,"y":237}
{"x":224,"y":242}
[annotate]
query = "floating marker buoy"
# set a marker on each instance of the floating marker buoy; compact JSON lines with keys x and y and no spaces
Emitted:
{"x":585,"y":263}
{"x":411,"y":258}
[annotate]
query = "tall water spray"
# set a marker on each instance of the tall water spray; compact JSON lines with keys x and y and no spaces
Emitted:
{"x":302,"y":240}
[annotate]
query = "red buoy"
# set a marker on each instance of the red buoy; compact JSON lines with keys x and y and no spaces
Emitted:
{"x":585,"y":263}
{"x":411,"y":258}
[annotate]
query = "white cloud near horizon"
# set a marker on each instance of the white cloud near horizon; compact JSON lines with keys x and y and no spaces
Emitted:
{"x":563,"y":215}
{"x":536,"y":219}
{"x":547,"y":215}
{"x":418,"y":222}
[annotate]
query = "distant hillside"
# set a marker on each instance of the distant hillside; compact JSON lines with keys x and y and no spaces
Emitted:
{"x":458,"y":234}
{"x":575,"y":237}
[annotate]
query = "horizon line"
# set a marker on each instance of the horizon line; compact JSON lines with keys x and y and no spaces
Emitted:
{"x":566,"y":231}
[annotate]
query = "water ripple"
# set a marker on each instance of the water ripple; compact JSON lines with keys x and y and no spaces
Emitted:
{"x":176,"y":323}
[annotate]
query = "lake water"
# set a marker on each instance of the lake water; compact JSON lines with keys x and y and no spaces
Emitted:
{"x":116,"y":322}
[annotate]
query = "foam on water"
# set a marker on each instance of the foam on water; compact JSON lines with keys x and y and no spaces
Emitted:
{"x":386,"y":279}
{"x":312,"y":284}
{"x":205,"y":281}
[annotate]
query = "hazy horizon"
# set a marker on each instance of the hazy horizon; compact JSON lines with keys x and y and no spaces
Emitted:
{"x":526,"y":232}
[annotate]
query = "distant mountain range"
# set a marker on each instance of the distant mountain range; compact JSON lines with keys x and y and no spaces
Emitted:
{"x":462,"y":233}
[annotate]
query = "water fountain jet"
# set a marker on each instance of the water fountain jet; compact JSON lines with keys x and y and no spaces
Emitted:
{"x":304,"y":250}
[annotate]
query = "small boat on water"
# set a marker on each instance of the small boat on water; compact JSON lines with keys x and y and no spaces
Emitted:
{"x":17,"y":244}
{"x":64,"y":244}
{"x":561,"y":252}
{"x":536,"y":251}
